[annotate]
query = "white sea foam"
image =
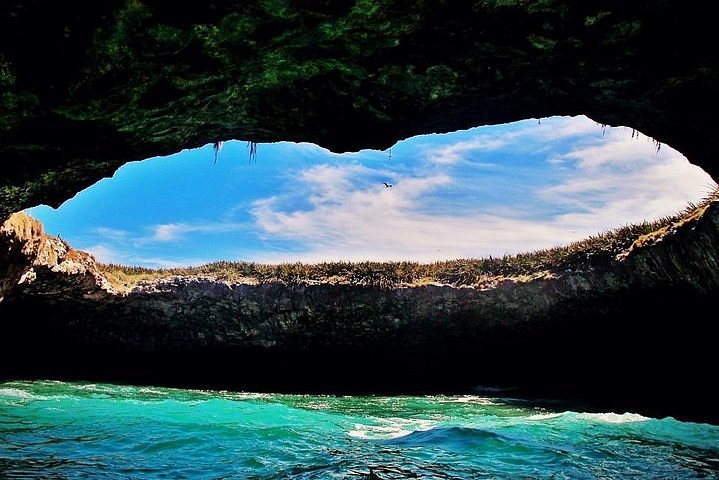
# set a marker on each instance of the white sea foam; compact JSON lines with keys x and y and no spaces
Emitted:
{"x":389,"y":428}
{"x":17,"y":394}
{"x":99,"y":388}
{"x":86,"y":386}
{"x":546,"y":416}
{"x":477,"y":400}
{"x":246,"y":395}
{"x":151,"y":391}
{"x":615,"y":417}
{"x":317,"y":405}
{"x":609,"y":417}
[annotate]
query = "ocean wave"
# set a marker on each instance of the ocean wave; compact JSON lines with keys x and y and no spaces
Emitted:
{"x":152,"y":391}
{"x":473,"y":399}
{"x":453,"y":435}
{"x":318,"y":405}
{"x":389,"y":428}
{"x":546,"y":415}
{"x":93,"y":436}
{"x":18,"y":394}
{"x":611,"y":417}
{"x":239,"y":396}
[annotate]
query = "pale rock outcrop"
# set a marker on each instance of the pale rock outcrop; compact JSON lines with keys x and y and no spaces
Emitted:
{"x":41,"y":264}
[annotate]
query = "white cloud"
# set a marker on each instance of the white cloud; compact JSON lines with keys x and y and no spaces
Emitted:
{"x":536,"y":135}
{"x":161,"y":262}
{"x":169,"y":232}
{"x":104,"y":253}
{"x":107,"y":254}
{"x":623,"y":180}
{"x":340,"y":209}
{"x":617,"y":150}
{"x":332,"y":181}
{"x":603,"y":183}
{"x":456,"y":152}
{"x":111,"y":233}
{"x":558,"y":128}
{"x":374,"y":222}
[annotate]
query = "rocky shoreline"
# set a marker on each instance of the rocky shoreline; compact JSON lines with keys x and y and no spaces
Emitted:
{"x":635,"y":335}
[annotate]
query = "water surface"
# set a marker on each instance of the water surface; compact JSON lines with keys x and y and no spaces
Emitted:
{"x":79,"y":430}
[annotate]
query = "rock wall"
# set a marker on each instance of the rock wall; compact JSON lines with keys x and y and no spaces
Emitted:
{"x":616,"y":333}
{"x":85,"y":87}
{"x":31,"y":260}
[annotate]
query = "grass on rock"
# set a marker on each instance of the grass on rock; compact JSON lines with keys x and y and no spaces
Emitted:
{"x":592,"y":252}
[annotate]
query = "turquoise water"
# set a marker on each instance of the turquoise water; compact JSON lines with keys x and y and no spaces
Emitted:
{"x":76,"y":430}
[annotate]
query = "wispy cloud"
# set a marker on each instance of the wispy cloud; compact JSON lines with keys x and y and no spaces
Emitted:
{"x":456,"y":152}
{"x":489,"y":191}
{"x":150,"y":249}
{"x":104,"y":253}
{"x":373,"y":222}
{"x":558,"y":128}
{"x":623,"y":179}
{"x":602,"y":183}
{"x":529,"y":135}
{"x":169,"y":232}
{"x":161,"y":262}
{"x":111,"y":233}
{"x":616,"y":150}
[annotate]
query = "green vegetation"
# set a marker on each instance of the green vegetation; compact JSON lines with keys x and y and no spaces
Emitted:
{"x":592,"y":252}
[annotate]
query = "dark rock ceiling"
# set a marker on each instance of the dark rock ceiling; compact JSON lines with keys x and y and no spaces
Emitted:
{"x":86,"y":87}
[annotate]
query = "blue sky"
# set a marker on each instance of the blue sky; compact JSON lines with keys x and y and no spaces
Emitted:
{"x":486,"y":191}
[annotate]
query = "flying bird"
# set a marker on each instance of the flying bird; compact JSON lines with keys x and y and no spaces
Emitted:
{"x":387,"y":185}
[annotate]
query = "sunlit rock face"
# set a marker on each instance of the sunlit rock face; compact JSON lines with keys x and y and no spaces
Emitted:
{"x":86,"y":88}
{"x":32,"y":261}
{"x":627,"y":331}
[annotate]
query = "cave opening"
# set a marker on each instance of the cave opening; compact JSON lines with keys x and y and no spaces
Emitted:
{"x":484,"y":192}
{"x":564,"y":322}
{"x":618,"y":320}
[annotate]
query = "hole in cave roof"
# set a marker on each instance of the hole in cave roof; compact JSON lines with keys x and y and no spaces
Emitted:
{"x":492,"y":190}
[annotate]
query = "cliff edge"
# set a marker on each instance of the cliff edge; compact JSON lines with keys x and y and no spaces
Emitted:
{"x":634,"y":331}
